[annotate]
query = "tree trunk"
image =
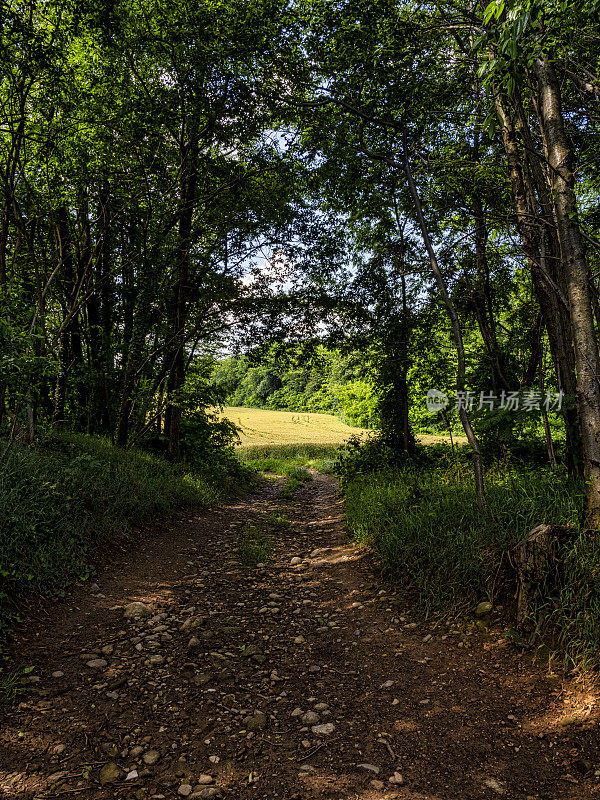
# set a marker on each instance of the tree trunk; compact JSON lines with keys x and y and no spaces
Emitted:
{"x":547,"y":431}
{"x":105,"y":288}
{"x":65,"y":257}
{"x":536,"y":333}
{"x":146,"y":288}
{"x":394,"y":402}
{"x":133,"y":358}
{"x":558,"y":317}
{"x":577,"y":271}
{"x":456,"y":330}
{"x":409,"y":439}
{"x":177,"y":375}
{"x":394,"y":405}
{"x":536,"y":228}
{"x":482,"y":296}
{"x":3,"y":242}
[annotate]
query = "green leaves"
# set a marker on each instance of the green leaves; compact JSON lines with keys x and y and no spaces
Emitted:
{"x":490,"y":125}
{"x":493,"y":10}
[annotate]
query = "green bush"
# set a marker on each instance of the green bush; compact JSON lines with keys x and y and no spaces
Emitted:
{"x":205,"y":439}
{"x":73,"y":491}
{"x":360,"y":456}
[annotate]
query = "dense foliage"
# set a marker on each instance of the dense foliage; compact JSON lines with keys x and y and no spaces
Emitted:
{"x":72,"y":493}
{"x":412,"y":185}
{"x":138,"y":179}
{"x":422,"y":521}
{"x":328,"y":382}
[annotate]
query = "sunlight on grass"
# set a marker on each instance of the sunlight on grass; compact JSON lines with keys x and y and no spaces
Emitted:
{"x":314,"y":435}
{"x":254,"y":547}
{"x":262,"y":427}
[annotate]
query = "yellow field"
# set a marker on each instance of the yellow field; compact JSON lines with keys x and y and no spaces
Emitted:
{"x":260,"y":427}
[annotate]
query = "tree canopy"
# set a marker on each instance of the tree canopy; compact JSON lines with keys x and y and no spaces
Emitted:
{"x":414,"y":182}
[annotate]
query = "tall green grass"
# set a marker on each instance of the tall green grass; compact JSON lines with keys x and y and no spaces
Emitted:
{"x":427,"y":530}
{"x":72,"y":492}
{"x":426,"y":524}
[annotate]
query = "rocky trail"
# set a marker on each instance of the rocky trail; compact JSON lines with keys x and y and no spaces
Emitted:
{"x":185,"y":673}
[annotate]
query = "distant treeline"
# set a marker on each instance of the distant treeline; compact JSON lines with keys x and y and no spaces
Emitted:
{"x":328,"y":381}
{"x":354,"y":384}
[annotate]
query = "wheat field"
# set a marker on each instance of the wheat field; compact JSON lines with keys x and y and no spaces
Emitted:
{"x":263,"y":427}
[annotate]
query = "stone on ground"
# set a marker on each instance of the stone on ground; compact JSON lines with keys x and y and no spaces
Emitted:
{"x":137,"y":610}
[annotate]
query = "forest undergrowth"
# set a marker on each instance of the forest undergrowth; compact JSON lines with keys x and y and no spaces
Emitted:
{"x":422,"y":520}
{"x":72,"y":493}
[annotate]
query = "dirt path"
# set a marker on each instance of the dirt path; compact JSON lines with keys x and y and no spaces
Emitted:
{"x":290,"y":681}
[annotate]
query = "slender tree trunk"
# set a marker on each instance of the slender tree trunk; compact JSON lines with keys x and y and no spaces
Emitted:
{"x":394,"y":402}
{"x":99,"y":315}
{"x":65,"y":257}
{"x":133,"y":358}
{"x":130,"y":257}
{"x":456,"y":329}
{"x":135,"y":352}
{"x":177,"y":376}
{"x":409,"y":439}
{"x":88,"y":378}
{"x":30,"y":430}
{"x":4,"y":227}
{"x":541,"y":248}
{"x":535,"y":336}
{"x":482,"y":296}
{"x":2,"y":401}
{"x":394,"y":407}
{"x":595,"y":303}
{"x":60,"y":387}
{"x":547,"y":431}
{"x":160,"y":402}
{"x":575,"y":264}
{"x":105,"y":288}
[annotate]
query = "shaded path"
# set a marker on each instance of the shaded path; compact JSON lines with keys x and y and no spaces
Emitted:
{"x":304,"y":681}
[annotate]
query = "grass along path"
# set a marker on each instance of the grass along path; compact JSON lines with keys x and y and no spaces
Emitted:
{"x":302,"y":678}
